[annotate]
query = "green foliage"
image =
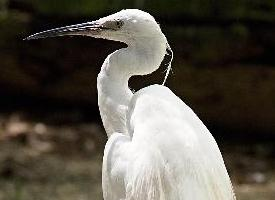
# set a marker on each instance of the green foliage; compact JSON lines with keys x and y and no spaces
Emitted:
{"x":18,"y":191}
{"x":3,"y":4}
{"x":3,"y":8}
{"x":80,"y":7}
{"x":12,"y":25}
{"x":237,"y":9}
{"x":69,"y":7}
{"x":210,"y":45}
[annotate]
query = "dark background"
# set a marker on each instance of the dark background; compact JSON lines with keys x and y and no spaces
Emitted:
{"x":51,"y":136}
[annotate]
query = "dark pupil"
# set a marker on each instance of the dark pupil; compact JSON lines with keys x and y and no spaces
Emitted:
{"x":118,"y":23}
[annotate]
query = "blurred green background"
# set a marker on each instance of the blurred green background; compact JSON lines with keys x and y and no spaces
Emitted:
{"x":51,"y":136}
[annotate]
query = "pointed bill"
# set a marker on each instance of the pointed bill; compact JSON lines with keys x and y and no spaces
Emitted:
{"x":91,"y":28}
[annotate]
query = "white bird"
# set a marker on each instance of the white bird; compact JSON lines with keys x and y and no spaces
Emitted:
{"x":157,"y":149}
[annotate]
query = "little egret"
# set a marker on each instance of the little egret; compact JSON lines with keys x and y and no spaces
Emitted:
{"x":157,"y":149}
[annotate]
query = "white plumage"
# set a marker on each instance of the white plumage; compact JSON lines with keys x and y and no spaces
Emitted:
{"x":168,"y":155}
{"x":158,"y":149}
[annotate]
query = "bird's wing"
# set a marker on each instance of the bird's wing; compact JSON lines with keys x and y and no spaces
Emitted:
{"x":169,"y":155}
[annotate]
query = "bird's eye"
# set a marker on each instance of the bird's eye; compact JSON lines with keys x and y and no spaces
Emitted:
{"x":119,"y":23}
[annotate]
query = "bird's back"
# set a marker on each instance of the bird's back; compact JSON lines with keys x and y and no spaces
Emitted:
{"x":170,"y":154}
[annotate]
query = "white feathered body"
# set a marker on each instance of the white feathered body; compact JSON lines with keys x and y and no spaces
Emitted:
{"x":169,"y":154}
{"x":157,"y":149}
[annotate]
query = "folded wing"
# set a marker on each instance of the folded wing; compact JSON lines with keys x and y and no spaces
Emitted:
{"x":169,"y":155}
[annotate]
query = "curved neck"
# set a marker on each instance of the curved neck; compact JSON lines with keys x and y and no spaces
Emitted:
{"x":139,"y":58}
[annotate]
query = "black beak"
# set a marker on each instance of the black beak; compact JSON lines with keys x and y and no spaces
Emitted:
{"x":88,"y":28}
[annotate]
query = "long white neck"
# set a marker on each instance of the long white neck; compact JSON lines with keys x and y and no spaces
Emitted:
{"x":139,"y":58}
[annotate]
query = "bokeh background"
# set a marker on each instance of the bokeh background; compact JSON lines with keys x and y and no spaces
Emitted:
{"x":51,"y":135}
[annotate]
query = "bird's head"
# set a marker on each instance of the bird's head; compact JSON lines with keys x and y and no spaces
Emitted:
{"x":125,"y":26}
{"x":129,"y":26}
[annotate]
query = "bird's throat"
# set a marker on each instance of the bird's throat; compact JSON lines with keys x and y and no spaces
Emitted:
{"x":114,"y":95}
